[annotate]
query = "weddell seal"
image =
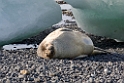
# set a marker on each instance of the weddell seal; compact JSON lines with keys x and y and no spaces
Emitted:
{"x":65,"y":43}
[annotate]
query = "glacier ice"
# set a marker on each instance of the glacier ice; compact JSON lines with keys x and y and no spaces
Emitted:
{"x":20,"y":19}
{"x":100,"y":17}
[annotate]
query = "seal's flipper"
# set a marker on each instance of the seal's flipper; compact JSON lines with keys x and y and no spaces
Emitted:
{"x":100,"y":51}
{"x":81,"y":56}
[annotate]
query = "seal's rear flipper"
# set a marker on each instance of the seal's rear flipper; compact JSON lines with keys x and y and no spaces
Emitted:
{"x":100,"y":51}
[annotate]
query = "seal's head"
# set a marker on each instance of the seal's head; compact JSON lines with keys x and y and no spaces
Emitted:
{"x":46,"y":50}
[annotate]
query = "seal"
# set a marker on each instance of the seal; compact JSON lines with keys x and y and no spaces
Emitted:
{"x":65,"y":43}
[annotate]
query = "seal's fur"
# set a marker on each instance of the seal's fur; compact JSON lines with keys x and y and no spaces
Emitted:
{"x":65,"y":43}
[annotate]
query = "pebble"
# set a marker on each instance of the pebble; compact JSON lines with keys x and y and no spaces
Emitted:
{"x":24,"y":72}
{"x":91,"y":80}
{"x":120,"y":81}
{"x":17,"y":68}
{"x":37,"y":80}
{"x":107,"y":71}
{"x":102,"y":80}
{"x":8,"y":81}
{"x":93,"y":75}
{"x":30,"y":79}
{"x":21,"y":76}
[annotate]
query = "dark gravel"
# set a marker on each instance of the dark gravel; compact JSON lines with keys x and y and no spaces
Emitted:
{"x":101,"y":68}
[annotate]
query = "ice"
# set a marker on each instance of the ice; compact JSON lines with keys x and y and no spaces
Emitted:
{"x":65,"y":6}
{"x":18,"y":46}
{"x":100,"y":17}
{"x":22,"y":46}
{"x":20,"y":19}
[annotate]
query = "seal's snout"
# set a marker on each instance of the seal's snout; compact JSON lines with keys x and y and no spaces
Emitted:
{"x":47,"y":50}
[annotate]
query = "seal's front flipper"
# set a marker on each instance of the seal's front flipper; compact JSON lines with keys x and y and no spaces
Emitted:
{"x":81,"y":56}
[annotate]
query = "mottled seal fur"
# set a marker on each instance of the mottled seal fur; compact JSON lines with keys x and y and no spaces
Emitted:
{"x":65,"y":43}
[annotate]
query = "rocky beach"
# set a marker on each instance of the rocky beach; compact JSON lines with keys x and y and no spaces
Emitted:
{"x":24,"y":66}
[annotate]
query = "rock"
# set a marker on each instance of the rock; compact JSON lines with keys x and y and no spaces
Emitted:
{"x":8,"y":81}
{"x":37,"y":80}
{"x":120,"y":81}
{"x":30,"y":79}
{"x":21,"y":76}
{"x":91,"y":80}
{"x":24,"y":72}
{"x":107,"y":71}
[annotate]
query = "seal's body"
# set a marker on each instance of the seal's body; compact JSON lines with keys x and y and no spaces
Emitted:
{"x":65,"y":43}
